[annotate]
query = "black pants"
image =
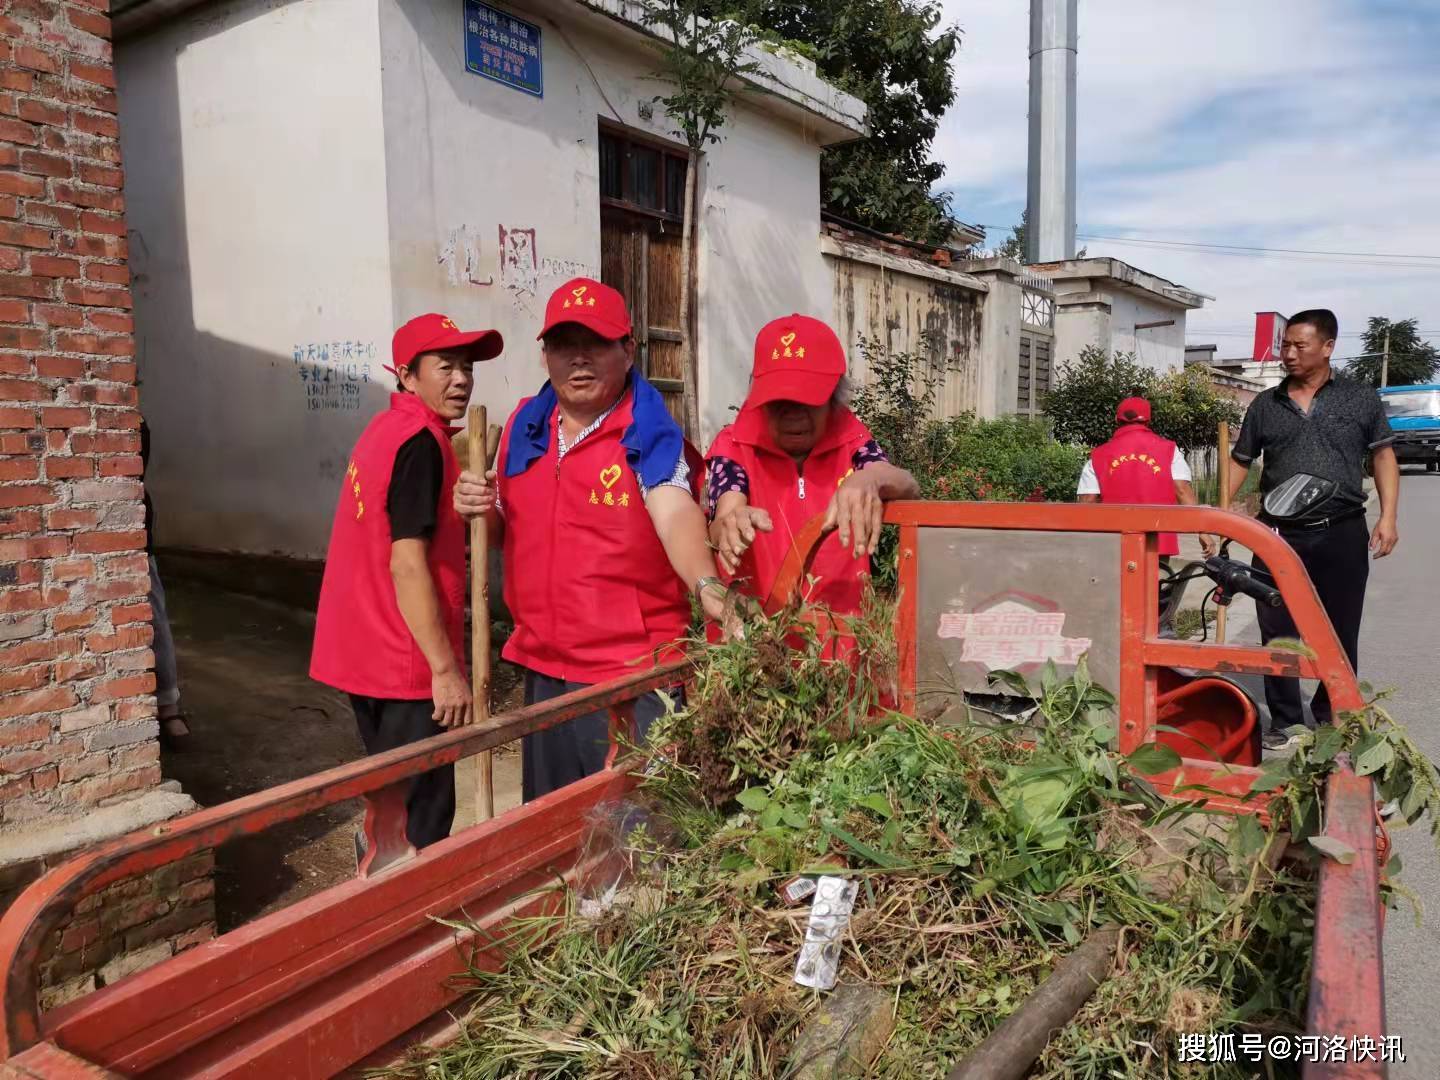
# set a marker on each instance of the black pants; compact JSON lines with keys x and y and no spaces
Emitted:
{"x":385,"y":724}
{"x":575,"y":749}
{"x":1338,"y":562}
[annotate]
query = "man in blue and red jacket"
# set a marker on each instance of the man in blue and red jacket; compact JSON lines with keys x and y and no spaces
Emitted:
{"x":390,"y":627}
{"x":594,"y":494}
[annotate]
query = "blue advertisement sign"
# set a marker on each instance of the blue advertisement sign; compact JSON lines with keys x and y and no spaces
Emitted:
{"x":501,"y":47}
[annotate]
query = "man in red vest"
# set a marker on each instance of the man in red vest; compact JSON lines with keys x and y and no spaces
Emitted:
{"x":389,"y":630}
{"x":602,"y":538}
{"x":1138,"y":466}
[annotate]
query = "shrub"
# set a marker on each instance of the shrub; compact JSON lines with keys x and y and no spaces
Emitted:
{"x":1186,"y":405}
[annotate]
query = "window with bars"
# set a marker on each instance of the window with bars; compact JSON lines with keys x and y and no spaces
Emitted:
{"x":641,"y":174}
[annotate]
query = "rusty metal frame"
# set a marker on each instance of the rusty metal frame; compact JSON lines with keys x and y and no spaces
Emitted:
{"x":1347,"y":989}
{"x":311,"y":989}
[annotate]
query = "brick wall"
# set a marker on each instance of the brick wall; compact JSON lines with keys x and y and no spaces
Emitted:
{"x":77,"y":712}
{"x":77,"y":705}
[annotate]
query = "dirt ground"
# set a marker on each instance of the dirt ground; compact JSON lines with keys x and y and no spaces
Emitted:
{"x":258,"y":720}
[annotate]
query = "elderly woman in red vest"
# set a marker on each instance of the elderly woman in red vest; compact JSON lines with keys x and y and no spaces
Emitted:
{"x":1138,"y":466}
{"x":594,"y":501}
{"x":795,"y":451}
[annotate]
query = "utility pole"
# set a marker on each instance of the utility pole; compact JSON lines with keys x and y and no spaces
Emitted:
{"x":1385,"y":361}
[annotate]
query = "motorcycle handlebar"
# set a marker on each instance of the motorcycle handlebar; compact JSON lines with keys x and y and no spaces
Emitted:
{"x":1235,"y":577}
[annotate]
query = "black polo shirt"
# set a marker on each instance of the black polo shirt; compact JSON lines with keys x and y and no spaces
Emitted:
{"x":1346,"y":421}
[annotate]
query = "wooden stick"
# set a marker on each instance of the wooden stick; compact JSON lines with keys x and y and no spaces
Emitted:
{"x":1009,"y":1051}
{"x":475,"y":431}
{"x":1223,"y":464}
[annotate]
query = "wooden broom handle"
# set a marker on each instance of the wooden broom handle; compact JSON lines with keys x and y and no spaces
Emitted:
{"x":479,"y":460}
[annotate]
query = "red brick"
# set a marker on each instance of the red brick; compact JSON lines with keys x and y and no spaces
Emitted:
{"x":70,"y":569}
{"x":86,"y":765}
{"x":67,"y":317}
{"x":12,"y":469}
{"x":44,"y":779}
{"x":110,"y":370}
{"x":93,"y":222}
{"x":29,"y":652}
{"x":57,"y":441}
{"x":119,"y":466}
{"x":95,"y":247}
{"x":20,"y":184}
{"x":17,"y":418}
{"x":25,"y":235}
{"x":69,"y":468}
{"x":17,"y":131}
{"x":37,"y":161}
{"x":93,"y":73}
{"x":65,"y":517}
{"x":58,"y":367}
{"x":94,"y":542}
{"x":14,"y":311}
{"x":88,"y":21}
{"x":80,"y":934}
{"x":26,"y":730}
{"x":97,"y":125}
{"x":110,"y":273}
{"x":93,"y":343}
{"x":11,"y":259}
{"x":23,"y":761}
{"x":65,"y":418}
{"x":24,"y":390}
{"x":26,"y":678}
{"x":9,"y":208}
{"x":95,"y":199}
{"x":26,"y":495}
{"x":130,"y":636}
{"x":60,"y":217}
{"x":72,"y":670}
{"x":130,"y":686}
{"x":40,"y":288}
{"x":33,"y":547}
{"x":105,"y":176}
{"x":91,"y":96}
{"x":22,"y":337}
{"x":40,"y":112}
{"x":133,"y":757}
{"x":124,"y":614}
{"x":51,"y":266}
{"x":15,"y":365}
{"x":16,"y":600}
{"x":17,"y":80}
{"x":51,"y":699}
{"x":91,"y":297}
{"x":28,"y":56}
{"x":19,"y":522}
{"x":117,"y":419}
{"x":65,"y":621}
{"x":111,"y":443}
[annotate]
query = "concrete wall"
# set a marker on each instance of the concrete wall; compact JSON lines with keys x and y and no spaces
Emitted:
{"x":470,"y":162}
{"x":256,"y":187}
{"x":1078,"y":326}
{"x":1162,"y":347}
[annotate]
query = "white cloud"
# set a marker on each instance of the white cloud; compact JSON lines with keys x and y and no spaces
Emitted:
{"x":1289,"y":123}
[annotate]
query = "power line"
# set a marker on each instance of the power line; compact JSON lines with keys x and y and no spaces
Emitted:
{"x":1152,"y":238}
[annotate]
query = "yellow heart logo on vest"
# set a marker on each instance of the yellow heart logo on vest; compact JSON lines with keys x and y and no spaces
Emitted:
{"x":786,"y":339}
{"x":610,"y":475}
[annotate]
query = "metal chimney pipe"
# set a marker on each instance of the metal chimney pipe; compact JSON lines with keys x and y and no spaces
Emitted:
{"x":1050,"y":233}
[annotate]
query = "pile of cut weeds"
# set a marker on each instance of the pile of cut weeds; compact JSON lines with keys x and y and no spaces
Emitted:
{"x":983,"y":854}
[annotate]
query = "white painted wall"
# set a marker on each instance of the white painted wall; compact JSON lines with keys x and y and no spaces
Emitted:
{"x":1160,"y":348}
{"x":467,"y":157}
{"x":255,"y":191}
{"x":1077,"y":327}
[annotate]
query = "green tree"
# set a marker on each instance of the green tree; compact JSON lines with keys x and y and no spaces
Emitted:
{"x":1014,"y":248}
{"x":1412,"y":360}
{"x":895,"y":56}
{"x":1186,"y":407}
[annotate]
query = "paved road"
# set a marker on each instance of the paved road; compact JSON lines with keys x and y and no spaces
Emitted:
{"x":1400,"y":648}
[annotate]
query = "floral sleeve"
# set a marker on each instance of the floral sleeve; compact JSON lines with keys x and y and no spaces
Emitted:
{"x":868,"y":454}
{"x":724,"y":475}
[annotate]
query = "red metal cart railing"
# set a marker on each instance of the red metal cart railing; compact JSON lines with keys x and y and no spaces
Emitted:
{"x":333,"y":980}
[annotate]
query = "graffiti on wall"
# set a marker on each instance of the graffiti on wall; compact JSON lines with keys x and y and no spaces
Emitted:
{"x":519,"y":262}
{"x":333,"y":373}
{"x":460,"y":255}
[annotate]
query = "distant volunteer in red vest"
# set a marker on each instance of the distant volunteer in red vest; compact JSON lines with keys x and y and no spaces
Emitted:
{"x":603,"y":539}
{"x":794,"y":451}
{"x":1138,"y":466}
{"x":389,"y":630}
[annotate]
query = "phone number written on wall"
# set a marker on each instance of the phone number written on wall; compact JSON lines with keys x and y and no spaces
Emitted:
{"x":333,"y":373}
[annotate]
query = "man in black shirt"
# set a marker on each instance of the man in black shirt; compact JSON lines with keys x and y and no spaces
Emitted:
{"x":1316,"y":423}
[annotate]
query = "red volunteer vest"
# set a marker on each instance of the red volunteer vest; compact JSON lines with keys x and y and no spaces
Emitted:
{"x":362,"y":645}
{"x":793,"y":496}
{"x":587,"y":580}
{"x":1134,"y":467}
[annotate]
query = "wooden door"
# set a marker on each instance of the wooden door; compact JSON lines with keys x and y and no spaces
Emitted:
{"x":640,"y":256}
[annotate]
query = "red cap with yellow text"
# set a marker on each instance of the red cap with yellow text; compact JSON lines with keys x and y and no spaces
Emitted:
{"x":1133,"y":410}
{"x":594,"y":306}
{"x":797,"y":358}
{"x":438,"y":333}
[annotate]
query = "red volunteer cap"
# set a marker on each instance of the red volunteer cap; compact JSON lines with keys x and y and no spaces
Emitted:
{"x":438,"y":333}
{"x":587,"y":302}
{"x":797,"y":358}
{"x":1133,"y":410}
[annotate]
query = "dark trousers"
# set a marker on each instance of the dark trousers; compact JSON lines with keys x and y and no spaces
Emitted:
{"x":575,"y":749}
{"x":385,"y":724}
{"x":1338,"y":562}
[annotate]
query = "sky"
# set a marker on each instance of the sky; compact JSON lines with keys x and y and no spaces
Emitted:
{"x":1302,"y":124}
